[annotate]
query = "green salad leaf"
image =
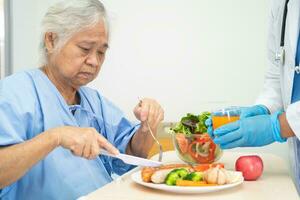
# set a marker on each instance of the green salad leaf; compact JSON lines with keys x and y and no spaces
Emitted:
{"x":191,"y":124}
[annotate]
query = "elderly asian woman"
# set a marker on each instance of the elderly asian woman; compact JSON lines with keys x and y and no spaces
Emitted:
{"x":52,"y":127}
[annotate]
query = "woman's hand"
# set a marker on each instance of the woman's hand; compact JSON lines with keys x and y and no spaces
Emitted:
{"x":84,"y":142}
{"x":149,"y":110}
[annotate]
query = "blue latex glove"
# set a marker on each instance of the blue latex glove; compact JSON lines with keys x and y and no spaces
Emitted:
{"x":253,"y":111}
{"x":254,"y":131}
{"x":245,"y":112}
{"x":208,"y":124}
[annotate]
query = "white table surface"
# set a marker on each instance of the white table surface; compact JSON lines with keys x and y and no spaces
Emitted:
{"x":275,"y":183}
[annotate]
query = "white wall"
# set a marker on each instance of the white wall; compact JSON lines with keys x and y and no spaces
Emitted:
{"x":191,"y":55}
{"x":24,"y":35}
{"x":2,"y":39}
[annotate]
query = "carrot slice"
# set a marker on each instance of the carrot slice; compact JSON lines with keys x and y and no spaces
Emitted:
{"x":193,"y":183}
{"x":182,"y":142}
{"x":204,"y":167}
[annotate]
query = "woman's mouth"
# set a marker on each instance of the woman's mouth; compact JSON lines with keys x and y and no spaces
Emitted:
{"x":85,"y":75}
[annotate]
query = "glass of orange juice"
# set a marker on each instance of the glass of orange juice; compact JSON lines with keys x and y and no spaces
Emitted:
{"x":224,"y":116}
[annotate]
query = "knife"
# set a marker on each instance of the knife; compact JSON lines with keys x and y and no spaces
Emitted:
{"x":133,"y":160}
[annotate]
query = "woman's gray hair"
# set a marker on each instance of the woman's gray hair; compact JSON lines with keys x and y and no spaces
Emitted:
{"x":67,"y":18}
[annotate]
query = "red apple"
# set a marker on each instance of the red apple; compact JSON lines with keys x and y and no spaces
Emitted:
{"x":251,"y":166}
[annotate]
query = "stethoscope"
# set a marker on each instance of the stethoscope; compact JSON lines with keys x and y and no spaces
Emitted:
{"x":280,"y":54}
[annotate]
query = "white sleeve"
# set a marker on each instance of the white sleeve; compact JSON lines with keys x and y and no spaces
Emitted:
{"x":271,"y":95}
{"x":293,"y":117}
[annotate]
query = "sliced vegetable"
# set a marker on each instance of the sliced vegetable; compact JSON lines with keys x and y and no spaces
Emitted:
{"x":203,"y":150}
{"x":182,"y":142}
{"x":204,"y":167}
{"x":193,"y":183}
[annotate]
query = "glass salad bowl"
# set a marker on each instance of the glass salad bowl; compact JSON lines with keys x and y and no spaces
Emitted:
{"x":191,"y":142}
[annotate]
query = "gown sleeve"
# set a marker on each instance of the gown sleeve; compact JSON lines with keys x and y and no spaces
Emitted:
{"x":14,"y":121}
{"x":119,"y":131}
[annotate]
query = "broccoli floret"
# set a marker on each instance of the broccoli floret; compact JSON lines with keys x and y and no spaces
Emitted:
{"x":176,"y":174}
{"x":195,"y":176}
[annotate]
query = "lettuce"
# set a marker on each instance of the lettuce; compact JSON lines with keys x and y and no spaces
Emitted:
{"x":191,"y":124}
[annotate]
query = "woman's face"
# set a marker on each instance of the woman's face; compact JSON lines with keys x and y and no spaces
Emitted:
{"x":79,"y":60}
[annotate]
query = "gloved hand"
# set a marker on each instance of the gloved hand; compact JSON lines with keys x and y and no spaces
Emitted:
{"x":253,"y":131}
{"x":245,"y":112}
{"x":253,"y":111}
{"x":208,"y":124}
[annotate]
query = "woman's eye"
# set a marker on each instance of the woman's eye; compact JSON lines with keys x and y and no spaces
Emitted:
{"x":84,"y":49}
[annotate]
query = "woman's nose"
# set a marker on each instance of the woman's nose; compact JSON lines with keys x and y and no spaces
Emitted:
{"x":93,"y":60}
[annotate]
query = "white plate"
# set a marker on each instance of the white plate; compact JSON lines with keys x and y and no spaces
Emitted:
{"x":136,"y":177}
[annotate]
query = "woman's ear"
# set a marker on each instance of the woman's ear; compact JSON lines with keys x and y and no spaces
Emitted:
{"x":50,"y":41}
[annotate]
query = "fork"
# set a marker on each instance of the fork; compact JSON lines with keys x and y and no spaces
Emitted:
{"x":154,"y":138}
{"x":157,"y":142}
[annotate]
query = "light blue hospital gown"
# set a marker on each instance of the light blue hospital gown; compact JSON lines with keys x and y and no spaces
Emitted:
{"x":31,"y":104}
